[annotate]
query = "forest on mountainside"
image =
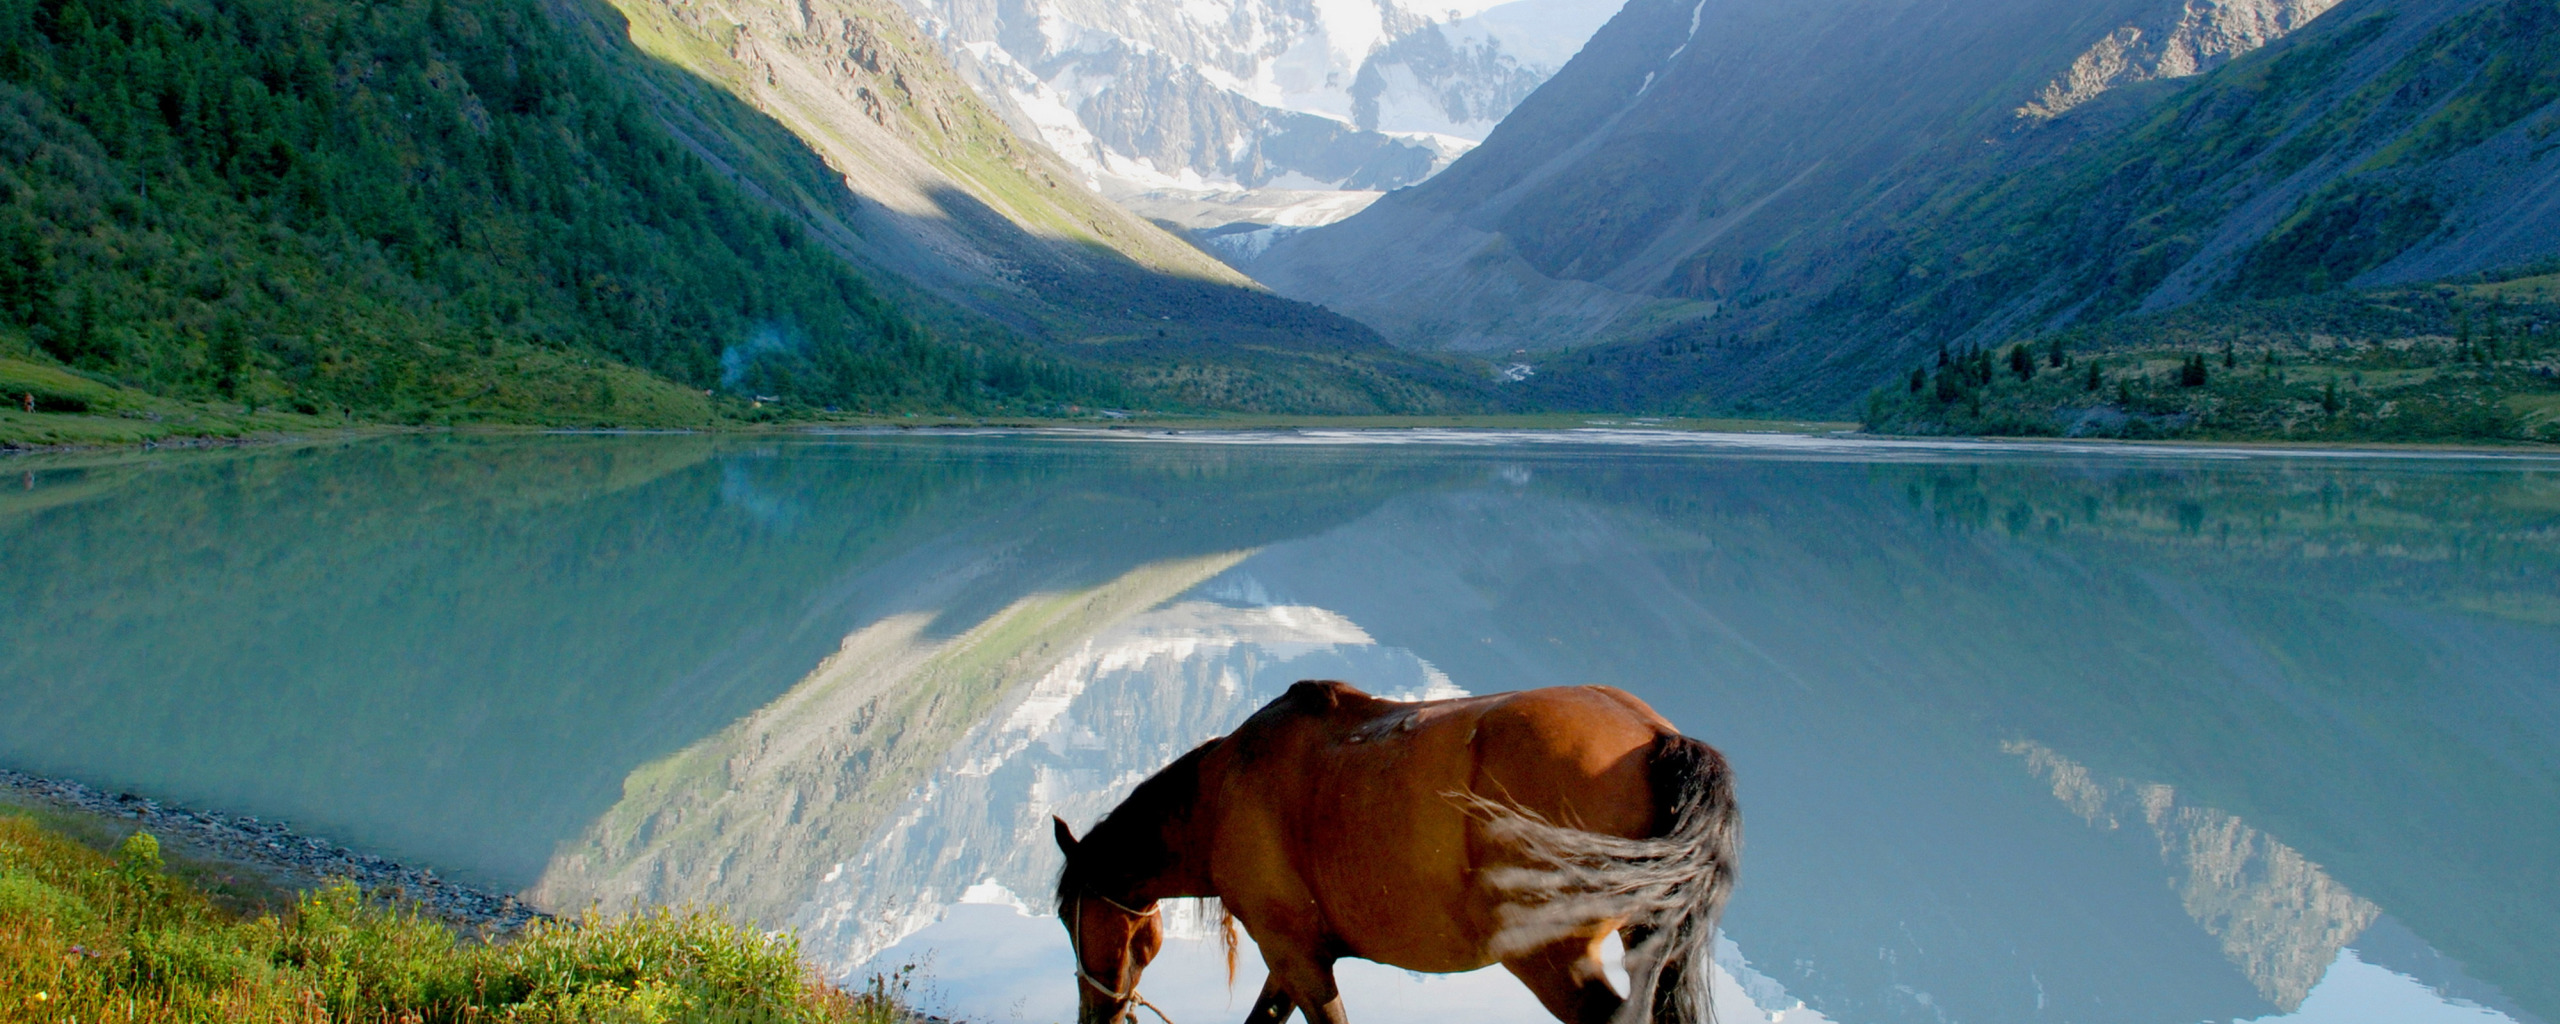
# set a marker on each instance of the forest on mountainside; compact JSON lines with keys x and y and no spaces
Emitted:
{"x":429,"y":210}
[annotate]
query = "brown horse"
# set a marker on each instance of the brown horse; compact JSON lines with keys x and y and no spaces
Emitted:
{"x":1515,"y":828}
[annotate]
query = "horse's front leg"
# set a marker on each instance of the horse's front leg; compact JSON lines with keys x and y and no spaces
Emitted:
{"x":1568,"y":979}
{"x":1273,"y":1005}
{"x":1304,"y":981}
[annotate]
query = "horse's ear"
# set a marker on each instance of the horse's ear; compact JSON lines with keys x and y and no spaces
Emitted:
{"x":1066,"y":836}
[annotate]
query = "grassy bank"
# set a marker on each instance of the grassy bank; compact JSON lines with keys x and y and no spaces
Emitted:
{"x":74,"y":408}
{"x":86,"y":935}
{"x":81,"y":410}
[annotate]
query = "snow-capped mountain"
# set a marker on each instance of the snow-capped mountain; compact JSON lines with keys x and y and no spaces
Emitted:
{"x":1211,"y":112}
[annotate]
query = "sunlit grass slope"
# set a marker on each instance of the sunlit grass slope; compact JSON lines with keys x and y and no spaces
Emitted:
{"x":86,"y":936}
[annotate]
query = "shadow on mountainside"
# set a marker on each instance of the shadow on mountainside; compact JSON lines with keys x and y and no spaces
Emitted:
{"x":971,"y":272}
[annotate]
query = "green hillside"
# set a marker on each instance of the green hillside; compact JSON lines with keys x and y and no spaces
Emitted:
{"x":2477,"y":362}
{"x":434,"y":210}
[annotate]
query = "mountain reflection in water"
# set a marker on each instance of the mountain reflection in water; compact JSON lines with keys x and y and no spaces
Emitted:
{"x":2022,"y":737}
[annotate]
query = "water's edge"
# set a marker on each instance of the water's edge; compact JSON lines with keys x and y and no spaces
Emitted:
{"x":271,"y":848}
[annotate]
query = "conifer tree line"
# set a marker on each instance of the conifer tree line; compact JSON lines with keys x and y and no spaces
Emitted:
{"x":336,"y":204}
{"x":2387,"y":364}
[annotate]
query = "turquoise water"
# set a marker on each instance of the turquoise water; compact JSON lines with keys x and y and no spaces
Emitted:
{"x":2024,"y":733}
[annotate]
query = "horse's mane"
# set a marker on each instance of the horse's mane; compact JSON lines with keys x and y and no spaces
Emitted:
{"x":1127,"y":846}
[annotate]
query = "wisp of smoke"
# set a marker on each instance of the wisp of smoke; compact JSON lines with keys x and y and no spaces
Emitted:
{"x":766,"y":339}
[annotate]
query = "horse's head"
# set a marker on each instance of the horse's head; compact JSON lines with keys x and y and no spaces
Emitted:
{"x":1112,"y":941}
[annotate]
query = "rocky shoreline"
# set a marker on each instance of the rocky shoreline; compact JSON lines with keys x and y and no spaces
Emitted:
{"x":273,"y":847}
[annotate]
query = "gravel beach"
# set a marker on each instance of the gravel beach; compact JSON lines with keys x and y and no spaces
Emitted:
{"x":272,"y":847}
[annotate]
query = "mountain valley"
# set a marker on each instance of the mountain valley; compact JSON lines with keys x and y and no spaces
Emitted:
{"x":476,"y":210}
{"x":279,"y":214}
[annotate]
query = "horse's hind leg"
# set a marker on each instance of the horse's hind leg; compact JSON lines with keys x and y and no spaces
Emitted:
{"x":1273,"y":1006}
{"x":1569,"y":981}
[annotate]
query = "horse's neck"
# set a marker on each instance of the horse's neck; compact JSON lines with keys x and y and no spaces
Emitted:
{"x":1175,"y":863}
{"x":1161,"y":840}
{"x":1187,"y":875}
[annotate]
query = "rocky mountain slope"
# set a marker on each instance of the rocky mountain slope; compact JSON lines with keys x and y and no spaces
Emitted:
{"x":925,"y":184}
{"x":1261,"y":111}
{"x":1703,"y":188}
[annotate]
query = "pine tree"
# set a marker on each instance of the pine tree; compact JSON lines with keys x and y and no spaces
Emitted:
{"x":2192,"y":375}
{"x":230,"y":355}
{"x":2022,"y":362}
{"x":82,"y":343}
{"x":1919,"y":379}
{"x":26,"y":270}
{"x":2094,"y":379}
{"x":2053,"y":354}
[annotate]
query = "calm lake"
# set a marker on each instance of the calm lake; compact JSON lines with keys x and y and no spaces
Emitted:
{"x":2022,"y":733}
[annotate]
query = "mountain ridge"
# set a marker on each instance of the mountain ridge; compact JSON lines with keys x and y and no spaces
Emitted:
{"x":1808,"y":236}
{"x":1262,"y":111}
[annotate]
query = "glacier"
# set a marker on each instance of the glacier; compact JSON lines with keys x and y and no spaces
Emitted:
{"x":1210,"y":114}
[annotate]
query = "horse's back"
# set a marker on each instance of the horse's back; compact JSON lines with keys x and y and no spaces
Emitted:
{"x":1353,"y":799}
{"x":1576,"y":755}
{"x":1542,"y":750}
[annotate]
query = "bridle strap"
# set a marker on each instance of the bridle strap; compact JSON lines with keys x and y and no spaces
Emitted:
{"x":1075,"y":948}
{"x":1130,"y":996}
{"x":1123,"y":907}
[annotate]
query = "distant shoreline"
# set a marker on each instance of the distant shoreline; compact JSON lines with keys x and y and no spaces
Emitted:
{"x":275,"y":849}
{"x":15,"y":444}
{"x":1538,"y":423}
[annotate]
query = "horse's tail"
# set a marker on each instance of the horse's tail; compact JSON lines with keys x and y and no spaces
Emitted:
{"x":1669,"y":889}
{"x":1693,"y":795}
